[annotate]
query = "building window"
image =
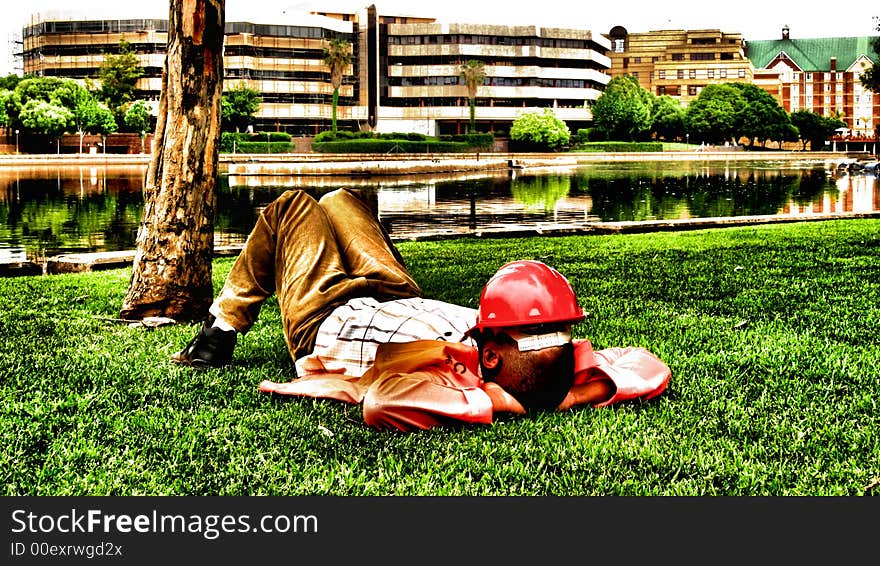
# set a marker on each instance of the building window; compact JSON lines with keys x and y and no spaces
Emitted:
{"x":661,"y":74}
{"x":661,"y":90}
{"x":742,"y":73}
{"x":722,"y":73}
{"x":680,"y":74}
{"x":678,"y":56}
{"x":619,"y":45}
{"x":693,"y":73}
{"x":692,"y":90}
{"x":710,"y":73}
{"x":637,"y":59}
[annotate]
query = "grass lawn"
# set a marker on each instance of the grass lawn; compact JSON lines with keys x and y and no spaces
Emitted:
{"x":772,"y":333}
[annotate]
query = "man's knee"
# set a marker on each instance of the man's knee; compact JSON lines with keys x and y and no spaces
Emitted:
{"x":347,"y":197}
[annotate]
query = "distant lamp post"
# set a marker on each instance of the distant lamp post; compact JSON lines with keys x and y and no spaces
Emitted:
{"x":687,"y":139}
{"x":16,"y":140}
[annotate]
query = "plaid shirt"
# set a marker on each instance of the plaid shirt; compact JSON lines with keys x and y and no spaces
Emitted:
{"x":347,"y":339}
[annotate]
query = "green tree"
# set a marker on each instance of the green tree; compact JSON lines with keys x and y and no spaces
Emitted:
{"x":763,"y":118}
{"x":119,"y":74}
{"x":871,"y":78}
{"x":814,"y":128}
{"x":239,"y":106}
{"x":4,"y":115}
{"x":91,"y":116}
{"x":337,"y":57}
{"x":49,"y":118}
{"x":45,"y":89}
{"x":473,"y":73}
{"x":540,"y":130}
{"x":716,"y":114}
{"x":667,"y":118}
{"x":9,"y":82}
{"x":137,"y":119}
{"x":623,"y":111}
{"x":783,"y":132}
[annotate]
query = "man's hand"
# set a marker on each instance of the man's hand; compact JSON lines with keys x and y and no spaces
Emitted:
{"x":502,"y":401}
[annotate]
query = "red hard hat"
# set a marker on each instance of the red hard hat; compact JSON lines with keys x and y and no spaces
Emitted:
{"x":527,"y":293}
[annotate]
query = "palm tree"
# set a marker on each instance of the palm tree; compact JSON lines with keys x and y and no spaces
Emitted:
{"x":473,"y":73}
{"x":337,"y":57}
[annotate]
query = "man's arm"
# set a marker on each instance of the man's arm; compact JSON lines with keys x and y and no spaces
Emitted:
{"x":619,"y":374}
{"x":502,"y":401}
{"x":590,"y":393}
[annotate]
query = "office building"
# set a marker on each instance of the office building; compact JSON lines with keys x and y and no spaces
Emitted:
{"x":405,"y":74}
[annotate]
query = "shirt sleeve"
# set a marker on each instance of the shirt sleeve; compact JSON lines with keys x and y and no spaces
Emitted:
{"x":337,"y":386}
{"x":411,"y":385}
{"x":635,"y":372}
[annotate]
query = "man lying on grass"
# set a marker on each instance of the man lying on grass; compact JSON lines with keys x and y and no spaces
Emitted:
{"x":359,"y":329}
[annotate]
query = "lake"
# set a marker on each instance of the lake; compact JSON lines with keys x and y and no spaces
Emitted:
{"x":54,"y":209}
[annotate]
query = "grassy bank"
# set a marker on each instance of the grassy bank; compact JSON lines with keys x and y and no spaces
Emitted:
{"x":772,"y":333}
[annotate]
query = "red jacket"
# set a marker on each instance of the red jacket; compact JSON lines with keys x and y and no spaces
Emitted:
{"x":428,"y":382}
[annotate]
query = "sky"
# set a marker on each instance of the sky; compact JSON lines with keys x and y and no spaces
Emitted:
{"x":754,"y":19}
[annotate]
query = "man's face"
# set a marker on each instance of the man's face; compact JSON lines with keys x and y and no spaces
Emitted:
{"x":533,"y":364}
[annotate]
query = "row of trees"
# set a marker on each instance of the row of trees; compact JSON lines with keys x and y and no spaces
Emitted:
{"x":53,"y":106}
{"x":721,"y":113}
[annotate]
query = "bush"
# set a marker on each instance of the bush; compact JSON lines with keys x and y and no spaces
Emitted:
{"x":619,"y":146}
{"x":534,"y":131}
{"x":429,"y":145}
{"x":583,"y":135}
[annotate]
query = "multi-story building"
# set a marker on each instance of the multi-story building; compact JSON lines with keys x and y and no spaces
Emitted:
{"x":821,"y":75}
{"x":679,"y":63}
{"x":405,"y":73}
{"x":282,"y":58}
{"x":526,"y":67}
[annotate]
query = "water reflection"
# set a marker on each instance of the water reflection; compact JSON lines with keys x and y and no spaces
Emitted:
{"x":51,"y":210}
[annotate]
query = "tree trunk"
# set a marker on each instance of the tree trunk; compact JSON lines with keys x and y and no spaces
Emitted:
{"x":171,"y":274}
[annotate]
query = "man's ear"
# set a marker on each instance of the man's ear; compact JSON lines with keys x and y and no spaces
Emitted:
{"x":490,"y":357}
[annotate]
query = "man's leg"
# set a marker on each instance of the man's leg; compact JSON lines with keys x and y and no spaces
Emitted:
{"x":292,"y":252}
{"x":366,"y":247}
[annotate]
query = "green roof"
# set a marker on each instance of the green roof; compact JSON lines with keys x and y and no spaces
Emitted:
{"x":812,"y":54}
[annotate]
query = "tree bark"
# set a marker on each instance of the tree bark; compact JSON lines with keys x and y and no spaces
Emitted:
{"x":171,"y":274}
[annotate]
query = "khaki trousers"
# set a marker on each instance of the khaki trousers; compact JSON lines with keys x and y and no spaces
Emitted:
{"x":315,"y":255}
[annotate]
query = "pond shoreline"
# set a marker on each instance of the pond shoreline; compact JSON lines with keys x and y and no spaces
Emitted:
{"x":99,"y":261}
{"x":387,"y":164}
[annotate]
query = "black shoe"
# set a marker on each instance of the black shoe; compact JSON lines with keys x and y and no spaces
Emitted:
{"x":211,"y":347}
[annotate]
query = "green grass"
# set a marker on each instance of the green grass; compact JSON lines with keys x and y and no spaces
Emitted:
{"x":772,"y":333}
